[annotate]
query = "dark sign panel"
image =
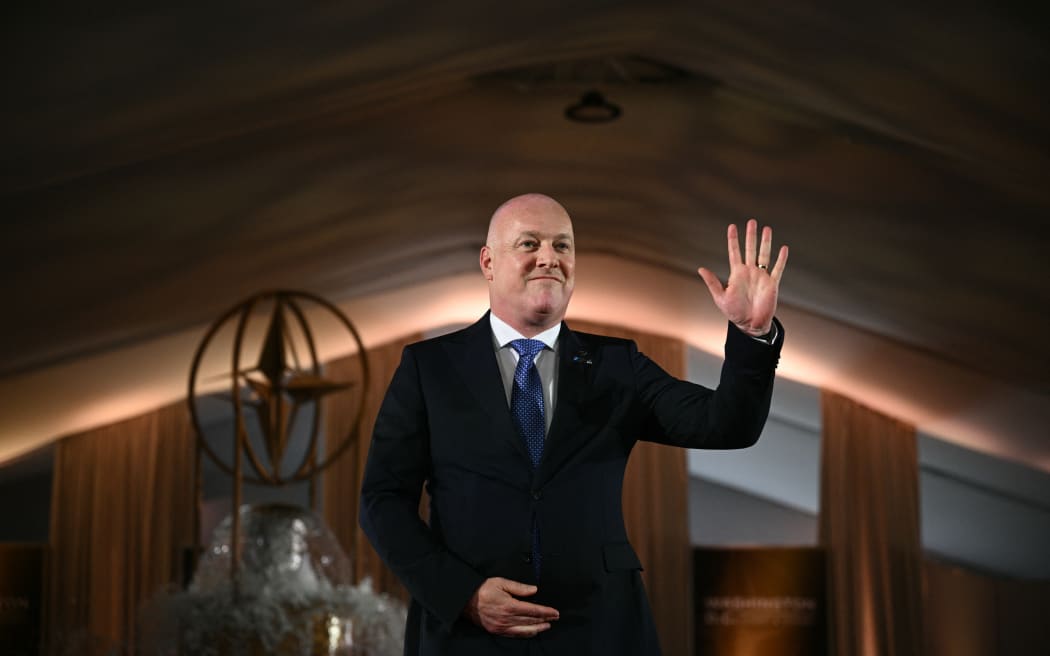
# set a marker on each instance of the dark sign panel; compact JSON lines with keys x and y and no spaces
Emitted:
{"x":21,"y":587}
{"x":760,"y":601}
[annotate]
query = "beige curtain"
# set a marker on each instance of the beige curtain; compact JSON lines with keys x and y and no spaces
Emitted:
{"x":970,"y":613}
{"x":341,"y":482}
{"x":121,"y":515}
{"x":655,"y":507}
{"x":869,"y":525}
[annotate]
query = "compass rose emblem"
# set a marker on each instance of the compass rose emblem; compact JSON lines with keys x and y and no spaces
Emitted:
{"x":270,"y":390}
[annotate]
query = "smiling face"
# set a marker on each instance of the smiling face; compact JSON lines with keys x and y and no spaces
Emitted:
{"x":529,"y":260}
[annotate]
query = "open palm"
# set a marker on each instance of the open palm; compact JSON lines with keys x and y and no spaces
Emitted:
{"x":749,"y":299}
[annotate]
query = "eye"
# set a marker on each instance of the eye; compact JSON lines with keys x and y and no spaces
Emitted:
{"x":529,"y":244}
{"x":563,"y":246}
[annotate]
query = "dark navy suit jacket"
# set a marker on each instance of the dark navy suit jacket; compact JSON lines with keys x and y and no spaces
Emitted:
{"x":445,"y":423}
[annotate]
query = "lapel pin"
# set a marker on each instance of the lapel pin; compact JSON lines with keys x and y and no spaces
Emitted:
{"x":581,"y":358}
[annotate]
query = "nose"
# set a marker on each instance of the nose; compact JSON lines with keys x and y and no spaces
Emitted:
{"x":546,"y":256}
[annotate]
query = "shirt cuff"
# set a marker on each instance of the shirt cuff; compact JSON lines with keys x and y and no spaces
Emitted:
{"x":769,"y":338}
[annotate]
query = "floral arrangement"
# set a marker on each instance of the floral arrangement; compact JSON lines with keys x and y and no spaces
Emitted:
{"x":339,"y":620}
{"x":290,"y":595}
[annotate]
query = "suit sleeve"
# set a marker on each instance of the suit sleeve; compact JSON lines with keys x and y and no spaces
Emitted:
{"x":729,"y":417}
{"x":397,"y":467}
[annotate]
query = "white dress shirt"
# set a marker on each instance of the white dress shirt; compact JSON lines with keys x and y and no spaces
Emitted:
{"x":546,"y":361}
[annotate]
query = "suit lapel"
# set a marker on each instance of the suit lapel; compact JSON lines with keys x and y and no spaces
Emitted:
{"x":576,"y":365}
{"x":475,"y":358}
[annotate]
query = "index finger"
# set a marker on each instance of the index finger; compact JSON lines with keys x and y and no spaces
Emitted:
{"x":525,"y":609}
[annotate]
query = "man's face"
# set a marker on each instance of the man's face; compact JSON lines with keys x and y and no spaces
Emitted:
{"x":529,"y":261}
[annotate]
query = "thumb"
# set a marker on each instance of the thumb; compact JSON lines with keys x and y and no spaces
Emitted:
{"x":714,"y":285}
{"x":518,"y":589}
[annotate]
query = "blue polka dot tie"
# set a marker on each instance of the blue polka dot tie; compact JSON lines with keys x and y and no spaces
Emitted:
{"x":526,"y":403}
{"x":526,"y":400}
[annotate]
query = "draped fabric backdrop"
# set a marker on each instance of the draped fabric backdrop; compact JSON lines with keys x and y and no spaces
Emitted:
{"x":656,"y":507}
{"x":970,"y":613}
{"x":121,"y":515}
{"x":122,"y":510}
{"x":869,"y":524}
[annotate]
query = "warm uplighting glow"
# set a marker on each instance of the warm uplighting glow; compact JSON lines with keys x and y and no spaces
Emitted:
{"x":938,"y":397}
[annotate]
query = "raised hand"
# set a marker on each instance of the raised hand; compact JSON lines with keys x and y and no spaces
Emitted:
{"x":749,"y":299}
{"x":496,"y":608}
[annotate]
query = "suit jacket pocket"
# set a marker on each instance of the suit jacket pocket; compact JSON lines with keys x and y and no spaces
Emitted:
{"x":620,"y":556}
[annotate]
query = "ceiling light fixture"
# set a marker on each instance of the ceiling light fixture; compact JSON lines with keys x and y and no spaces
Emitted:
{"x":593,"y":108}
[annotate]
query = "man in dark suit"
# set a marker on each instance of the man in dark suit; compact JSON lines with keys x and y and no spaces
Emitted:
{"x":520,"y":428}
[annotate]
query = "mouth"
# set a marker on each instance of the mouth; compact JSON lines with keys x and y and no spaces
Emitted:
{"x":554,"y":278}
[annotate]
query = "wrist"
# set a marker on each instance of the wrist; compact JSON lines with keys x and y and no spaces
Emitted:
{"x":767,"y":336}
{"x":759,"y":332}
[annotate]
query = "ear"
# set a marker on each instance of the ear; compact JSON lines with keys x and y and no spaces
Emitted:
{"x":486,"y":263}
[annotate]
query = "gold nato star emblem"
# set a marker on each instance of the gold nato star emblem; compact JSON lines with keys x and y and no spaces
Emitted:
{"x":278,"y":390}
{"x":268,"y":397}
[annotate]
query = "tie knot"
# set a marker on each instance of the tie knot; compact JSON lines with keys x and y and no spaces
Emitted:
{"x":527,"y":348}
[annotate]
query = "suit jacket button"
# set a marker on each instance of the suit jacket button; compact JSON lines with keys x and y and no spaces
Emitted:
{"x":537,"y":495}
{"x":527,"y":558}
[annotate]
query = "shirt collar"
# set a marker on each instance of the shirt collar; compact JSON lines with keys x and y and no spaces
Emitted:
{"x":504,"y":334}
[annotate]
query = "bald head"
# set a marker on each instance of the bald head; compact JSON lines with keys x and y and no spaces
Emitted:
{"x":529,"y":260}
{"x":524,"y":205}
